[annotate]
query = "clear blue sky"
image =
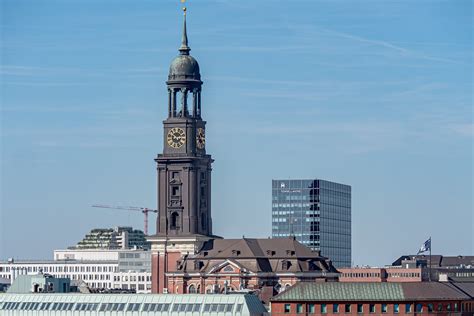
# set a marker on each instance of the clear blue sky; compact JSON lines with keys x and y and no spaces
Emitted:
{"x":374,"y":94}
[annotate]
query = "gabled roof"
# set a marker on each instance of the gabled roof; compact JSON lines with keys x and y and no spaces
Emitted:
{"x":374,"y":291}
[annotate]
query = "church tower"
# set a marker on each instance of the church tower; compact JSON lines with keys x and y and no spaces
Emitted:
{"x":184,"y":220}
{"x":184,"y":168}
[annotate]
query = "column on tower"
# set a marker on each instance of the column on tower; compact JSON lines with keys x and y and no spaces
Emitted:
{"x":195,"y":91}
{"x":169,"y":102}
{"x":173,"y":102}
{"x":199,"y":103}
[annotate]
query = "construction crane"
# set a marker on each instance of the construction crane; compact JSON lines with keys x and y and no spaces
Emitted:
{"x":144,"y":210}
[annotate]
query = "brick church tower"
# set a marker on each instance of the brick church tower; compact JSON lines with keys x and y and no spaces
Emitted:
{"x":184,"y":172}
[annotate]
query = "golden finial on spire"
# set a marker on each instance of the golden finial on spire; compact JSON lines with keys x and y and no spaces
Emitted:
{"x":184,"y":49}
{"x":184,"y":8}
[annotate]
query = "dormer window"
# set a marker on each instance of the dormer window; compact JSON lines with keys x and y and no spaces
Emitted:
{"x":285,"y":265}
{"x":198,"y":265}
{"x":312,"y":266}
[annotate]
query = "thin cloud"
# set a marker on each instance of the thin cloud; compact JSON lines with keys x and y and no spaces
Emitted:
{"x":466,"y":129}
{"x":388,"y":45}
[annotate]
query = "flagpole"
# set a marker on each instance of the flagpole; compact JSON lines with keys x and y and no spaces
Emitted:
{"x":430,"y":261}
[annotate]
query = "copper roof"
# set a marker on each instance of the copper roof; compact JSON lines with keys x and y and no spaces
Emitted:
{"x":377,"y":291}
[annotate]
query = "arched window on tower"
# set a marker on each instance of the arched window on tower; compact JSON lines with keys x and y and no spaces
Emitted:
{"x":184,"y":101}
{"x":203,"y":221}
{"x":174,"y":223}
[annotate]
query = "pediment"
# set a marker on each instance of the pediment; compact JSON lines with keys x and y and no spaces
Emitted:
{"x":228,"y":266}
{"x":175,"y":181}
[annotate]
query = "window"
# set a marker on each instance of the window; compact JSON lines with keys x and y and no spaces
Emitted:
{"x":448,"y":307}
{"x":455,"y":307}
{"x":133,"y":307}
{"x":324,"y":309}
{"x":440,"y":307}
{"x":347,"y":308}
{"x":419,"y":308}
{"x":372,"y":308}
{"x":430,"y":308}
{"x":175,"y":190}
{"x":407,"y":308}
{"x":203,"y":221}
{"x":192,"y":289}
{"x":174,"y":220}
{"x":239,"y":308}
{"x":396,"y":308}
{"x":299,"y":308}
{"x":287,"y":308}
{"x":384,"y":308}
{"x":311,"y":309}
{"x":335,"y":308}
{"x":360,"y":308}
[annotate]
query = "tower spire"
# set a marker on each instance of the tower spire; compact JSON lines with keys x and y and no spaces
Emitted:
{"x":184,"y":49}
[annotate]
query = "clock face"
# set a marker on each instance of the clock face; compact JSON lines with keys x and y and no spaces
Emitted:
{"x":176,"y":137}
{"x":200,"y":138}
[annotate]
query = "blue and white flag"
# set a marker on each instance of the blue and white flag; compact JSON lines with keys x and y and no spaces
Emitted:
{"x":425,"y":247}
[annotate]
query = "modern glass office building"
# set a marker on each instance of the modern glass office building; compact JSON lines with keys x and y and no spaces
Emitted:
{"x":317,"y":213}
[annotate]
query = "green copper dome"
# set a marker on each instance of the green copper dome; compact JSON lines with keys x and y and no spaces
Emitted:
{"x":184,"y":67}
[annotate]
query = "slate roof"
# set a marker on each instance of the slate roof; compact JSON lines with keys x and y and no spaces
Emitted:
{"x":432,"y":290}
{"x":256,"y":248}
{"x":257,"y":255}
{"x":373,"y":291}
{"x":465,"y":287}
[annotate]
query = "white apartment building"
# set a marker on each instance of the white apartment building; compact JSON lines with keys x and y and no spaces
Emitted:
{"x":98,"y":268}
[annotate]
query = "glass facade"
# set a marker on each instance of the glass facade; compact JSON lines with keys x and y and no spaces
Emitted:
{"x":317,"y":213}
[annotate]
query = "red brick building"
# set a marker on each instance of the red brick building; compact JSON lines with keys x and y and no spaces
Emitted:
{"x":264,"y":266}
{"x":387,"y":274}
{"x":376,"y":298}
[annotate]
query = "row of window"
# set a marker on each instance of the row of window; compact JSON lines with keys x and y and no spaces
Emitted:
{"x":361,"y":275}
{"x":133,"y":278}
{"x":51,"y":269}
{"x":129,"y":255}
{"x":302,"y":184}
{"x":113,"y":307}
{"x":372,"y":308}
